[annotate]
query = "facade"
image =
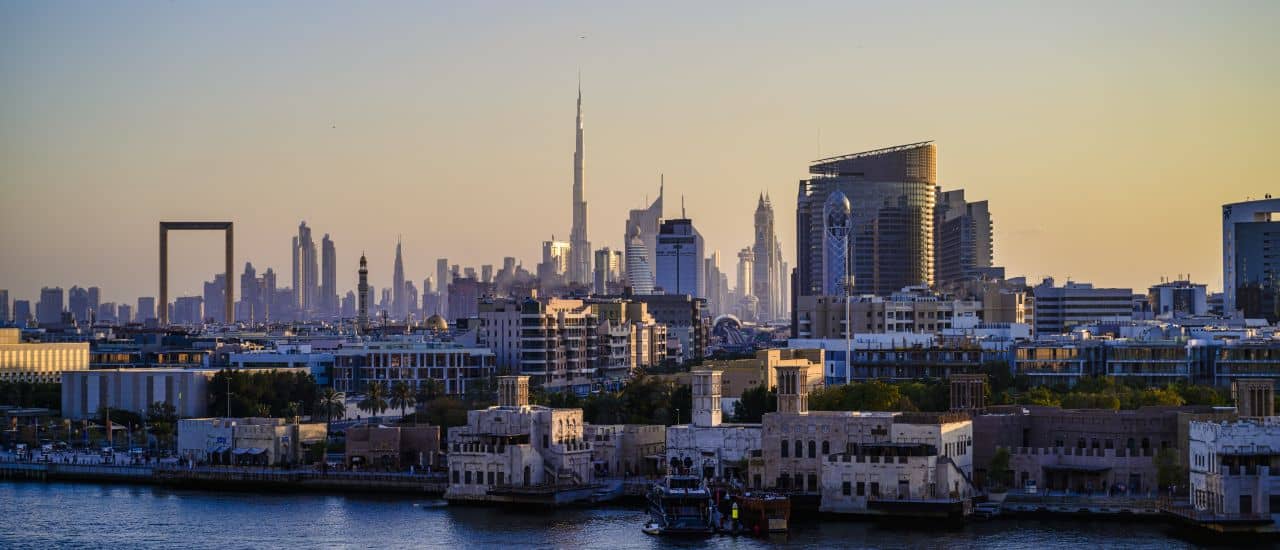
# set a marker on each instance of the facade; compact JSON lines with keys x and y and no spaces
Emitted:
{"x":554,"y":341}
{"x":629,"y":339}
{"x":516,"y":446}
{"x":892,"y":193}
{"x":392,"y":448}
{"x":414,"y":362}
{"x":910,"y":311}
{"x":679,"y":258}
{"x":639,"y":269}
{"x":39,"y":362}
{"x":766,"y":262}
{"x":897,"y":356}
{"x":1178,"y":299}
{"x":1059,"y":309}
{"x":740,"y":375}
{"x":1058,"y":362}
{"x":684,"y":317}
{"x":247,"y":441}
{"x":49,"y":308}
{"x":86,"y":393}
{"x":1235,"y":468}
{"x":1250,"y":271}
{"x":709,"y":447}
{"x":607,"y":277}
{"x":626,"y":450}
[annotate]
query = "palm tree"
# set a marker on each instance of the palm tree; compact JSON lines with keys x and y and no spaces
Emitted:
{"x":332,"y":404}
{"x":375,"y":399}
{"x":402,"y":397}
{"x":262,"y":410}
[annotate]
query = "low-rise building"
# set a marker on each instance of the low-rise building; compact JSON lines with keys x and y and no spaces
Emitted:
{"x":1235,"y":468}
{"x":247,"y":441}
{"x":514,"y":448}
{"x":39,"y":362}
{"x":85,"y":394}
{"x":392,"y":448}
{"x":708,"y":446}
{"x":625,"y":450}
{"x":412,"y":361}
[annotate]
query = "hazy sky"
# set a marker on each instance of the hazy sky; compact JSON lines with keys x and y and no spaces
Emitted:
{"x":1106,"y":135}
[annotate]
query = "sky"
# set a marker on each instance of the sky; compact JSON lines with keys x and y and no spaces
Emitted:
{"x":1106,"y":135}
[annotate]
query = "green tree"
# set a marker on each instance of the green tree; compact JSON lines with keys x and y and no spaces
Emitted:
{"x":375,"y":399}
{"x":263,"y":410}
{"x":1165,"y":397}
{"x":1040,"y":395}
{"x":998,"y":472}
{"x":332,"y":405}
{"x":754,"y":403}
{"x":402,"y":397}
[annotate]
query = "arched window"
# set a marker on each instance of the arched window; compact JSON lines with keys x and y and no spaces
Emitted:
{"x":813,"y":449}
{"x":799,"y":449}
{"x":826,"y":447}
{"x":785,"y":449}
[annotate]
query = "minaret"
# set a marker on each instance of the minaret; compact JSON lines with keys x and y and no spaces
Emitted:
{"x":579,"y":246}
{"x":362,"y":318}
{"x":398,"y":307}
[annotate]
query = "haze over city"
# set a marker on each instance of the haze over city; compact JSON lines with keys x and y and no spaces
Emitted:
{"x":1105,"y":136}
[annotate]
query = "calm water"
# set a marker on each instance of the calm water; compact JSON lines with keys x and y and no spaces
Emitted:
{"x":57,"y":515}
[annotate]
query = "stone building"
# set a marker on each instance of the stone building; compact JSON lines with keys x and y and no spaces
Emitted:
{"x":392,"y":448}
{"x":625,"y":450}
{"x":1234,"y":468}
{"x":1084,"y":450}
{"x":86,"y":393}
{"x":247,"y":441}
{"x":515,"y":447}
{"x":709,"y":446}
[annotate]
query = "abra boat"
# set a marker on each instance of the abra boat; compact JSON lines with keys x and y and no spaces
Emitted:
{"x":762,"y":513}
{"x":679,"y":505}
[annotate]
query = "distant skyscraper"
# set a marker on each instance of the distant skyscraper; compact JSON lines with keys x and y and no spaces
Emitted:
{"x":349,"y":305}
{"x":4,"y":306}
{"x":766,"y":261}
{"x":579,"y":245}
{"x":78,"y":304}
{"x":250,"y":307}
{"x":680,"y":257}
{"x":214,"y":302}
{"x":442,"y":283}
{"x":712,"y":282}
{"x":1250,"y":265}
{"x":274,"y":300}
{"x":21,"y":312}
{"x":399,"y":305}
{"x":642,"y":223}
{"x":362,"y":317}
{"x":639,"y":270}
{"x":305,"y":269}
{"x":962,"y":239}
{"x":49,"y":309}
{"x":328,"y":277}
{"x":746,"y":268}
{"x":607,"y":269}
{"x":410,"y":303}
{"x":891,"y":192}
{"x":124,"y":314}
{"x":835,"y":244}
{"x":555,"y":260}
{"x":486,"y":273}
{"x":146,"y":308}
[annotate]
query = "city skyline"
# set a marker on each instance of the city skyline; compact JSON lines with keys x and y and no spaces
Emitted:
{"x":1110,"y":137}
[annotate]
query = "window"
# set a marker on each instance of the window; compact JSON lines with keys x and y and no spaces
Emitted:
{"x":468,"y":477}
{"x":455,"y":476}
{"x":490,"y":478}
{"x":846,"y":488}
{"x":799,"y":449}
{"x":862,"y":488}
{"x":501,"y":475}
{"x":813,"y":449}
{"x":826,"y":447}
{"x":784,"y":449}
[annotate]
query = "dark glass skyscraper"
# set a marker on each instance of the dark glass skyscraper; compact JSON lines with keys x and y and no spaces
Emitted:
{"x":891,"y":192}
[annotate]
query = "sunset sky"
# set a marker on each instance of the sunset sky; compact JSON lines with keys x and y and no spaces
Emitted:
{"x":1106,"y":135}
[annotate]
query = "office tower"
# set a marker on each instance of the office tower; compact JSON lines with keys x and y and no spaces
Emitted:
{"x":305,"y":283}
{"x":274,"y":301}
{"x":21,"y":312}
{"x":1059,"y":309}
{"x":399,"y":307}
{"x":639,"y":270}
{"x":124,"y":314}
{"x":1181,"y":298}
{"x":679,"y":258}
{"x":713,"y":285}
{"x":188,"y":310}
{"x":214,"y":297}
{"x":106,"y":313}
{"x":4,"y":306}
{"x":642,"y":224}
{"x":746,"y":268}
{"x":766,"y":261}
{"x":385,"y":304}
{"x":555,"y":260}
{"x":95,"y":298}
{"x":49,"y":308}
{"x":442,"y":282}
{"x":579,"y":246}
{"x":410,"y":299}
{"x":486,"y":273}
{"x":962,"y":239}
{"x":891,"y":192}
{"x":328,"y":277}
{"x":349,"y":305}
{"x":835,"y":244}
{"x":607,"y":270}
{"x":470,"y":273}
{"x":250,"y":305}
{"x":1250,"y":266}
{"x":78,"y":304}
{"x":362,"y":317}
{"x":146,"y":308}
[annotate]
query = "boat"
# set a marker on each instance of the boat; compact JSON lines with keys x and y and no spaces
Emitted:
{"x":651,"y":528}
{"x":761,"y":513}
{"x":986,"y":510}
{"x":680,"y":505}
{"x":431,"y":504}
